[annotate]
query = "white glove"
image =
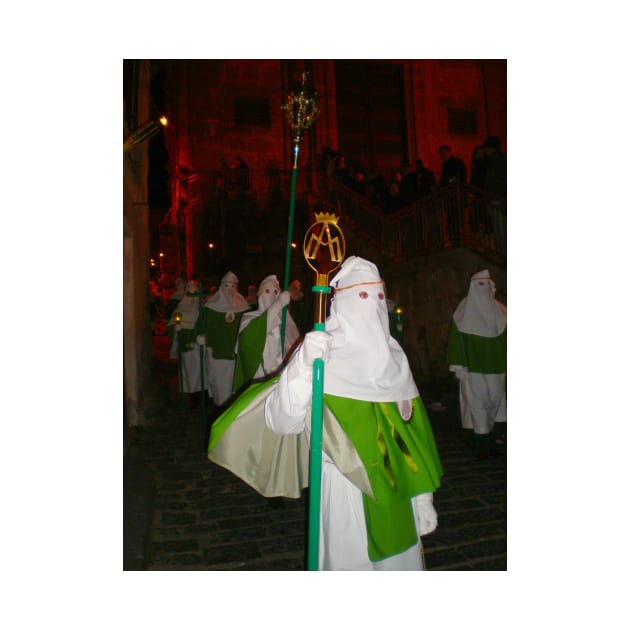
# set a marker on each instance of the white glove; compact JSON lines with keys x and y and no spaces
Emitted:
{"x":284,"y":298}
{"x":316,"y":345}
{"x":201,"y":340}
{"x":274,"y":312}
{"x":460,"y":372}
{"x":405,"y":409}
{"x":425,"y":514}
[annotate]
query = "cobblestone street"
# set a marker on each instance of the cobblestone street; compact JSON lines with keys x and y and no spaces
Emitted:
{"x":183,"y":512}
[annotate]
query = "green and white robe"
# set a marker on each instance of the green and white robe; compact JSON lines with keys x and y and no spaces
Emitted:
{"x":374,"y":465}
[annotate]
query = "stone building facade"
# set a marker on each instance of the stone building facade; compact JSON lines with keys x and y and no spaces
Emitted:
{"x":382,"y":114}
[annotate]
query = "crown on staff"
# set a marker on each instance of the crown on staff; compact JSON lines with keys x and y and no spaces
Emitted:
{"x":326,"y":217}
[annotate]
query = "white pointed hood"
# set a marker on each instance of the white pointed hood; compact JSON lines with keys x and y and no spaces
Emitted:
{"x":366,"y":362}
{"x":180,"y":289}
{"x":268,"y":292}
{"x":188,"y":306}
{"x":479,"y":313}
{"x":227,"y":299}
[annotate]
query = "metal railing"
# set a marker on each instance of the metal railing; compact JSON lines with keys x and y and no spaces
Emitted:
{"x":365,"y":218}
{"x":459,"y":215}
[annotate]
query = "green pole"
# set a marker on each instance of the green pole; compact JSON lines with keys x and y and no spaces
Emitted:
{"x":179,"y":357}
{"x":202,"y":360}
{"x":178,"y":336}
{"x":287,"y":258}
{"x":315,"y":459}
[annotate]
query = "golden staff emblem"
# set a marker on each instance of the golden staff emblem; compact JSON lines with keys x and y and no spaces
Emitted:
{"x":324,"y":246}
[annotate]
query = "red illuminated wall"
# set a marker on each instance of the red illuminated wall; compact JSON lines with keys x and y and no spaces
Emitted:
{"x":204,"y":96}
{"x":224,"y":109}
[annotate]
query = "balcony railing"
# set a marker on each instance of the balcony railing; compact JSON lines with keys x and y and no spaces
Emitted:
{"x":457,"y":215}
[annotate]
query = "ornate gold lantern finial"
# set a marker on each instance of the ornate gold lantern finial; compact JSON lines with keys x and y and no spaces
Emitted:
{"x":324,"y":246}
{"x":302,"y":109}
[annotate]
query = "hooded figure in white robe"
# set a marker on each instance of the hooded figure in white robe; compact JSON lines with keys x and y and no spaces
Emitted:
{"x":477,"y":354}
{"x":222,"y":319}
{"x":186,"y":332}
{"x":375,"y":508}
{"x":258,"y":349}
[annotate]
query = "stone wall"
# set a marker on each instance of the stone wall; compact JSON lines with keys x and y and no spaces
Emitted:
{"x":428,"y":290}
{"x":137,"y":348}
{"x":208,"y":130}
{"x":205,"y":130}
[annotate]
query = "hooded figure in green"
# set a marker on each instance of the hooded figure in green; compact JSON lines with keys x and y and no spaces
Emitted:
{"x":259,"y":351}
{"x":184,"y":339}
{"x":477,"y":354}
{"x":379,"y":462}
{"x":222,"y":318}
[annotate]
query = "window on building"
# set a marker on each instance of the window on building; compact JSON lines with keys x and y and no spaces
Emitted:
{"x":371,"y":113}
{"x":251,"y":111}
{"x":463,"y":121}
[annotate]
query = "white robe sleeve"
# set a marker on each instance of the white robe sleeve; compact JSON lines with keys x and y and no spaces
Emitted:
{"x":286,"y":409}
{"x":274,"y":312}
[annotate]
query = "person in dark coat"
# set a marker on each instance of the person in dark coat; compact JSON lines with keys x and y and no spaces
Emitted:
{"x":478,"y":218}
{"x":408,"y":186}
{"x":496,"y":182}
{"x":453,"y":169}
{"x":478,"y":167}
{"x":495,"y":175}
{"x":453,"y":172}
{"x":424,"y":180}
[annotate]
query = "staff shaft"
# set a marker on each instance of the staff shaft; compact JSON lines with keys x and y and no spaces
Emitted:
{"x":315,"y":466}
{"x":287,"y":258}
{"x":317,"y":422}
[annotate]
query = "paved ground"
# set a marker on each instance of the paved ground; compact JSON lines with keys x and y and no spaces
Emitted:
{"x":183,"y":512}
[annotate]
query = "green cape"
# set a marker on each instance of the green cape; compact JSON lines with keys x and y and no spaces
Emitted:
{"x":388,"y":459}
{"x":188,"y":337}
{"x":251,"y":344}
{"x":221,"y":335}
{"x":401,"y":461}
{"x":483,"y":355}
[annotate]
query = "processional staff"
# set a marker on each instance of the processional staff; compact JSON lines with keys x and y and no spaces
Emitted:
{"x":324,"y":250}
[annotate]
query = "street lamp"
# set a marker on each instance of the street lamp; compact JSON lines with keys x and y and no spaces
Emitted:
{"x":143,"y":133}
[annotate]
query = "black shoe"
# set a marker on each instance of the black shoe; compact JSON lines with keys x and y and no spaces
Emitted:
{"x":193,"y":400}
{"x":482,"y":445}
